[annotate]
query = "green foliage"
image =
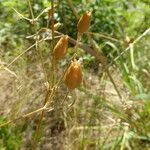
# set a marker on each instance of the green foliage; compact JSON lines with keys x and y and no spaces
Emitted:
{"x":10,"y":137}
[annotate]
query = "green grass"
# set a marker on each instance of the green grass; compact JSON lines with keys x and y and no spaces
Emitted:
{"x":10,"y":136}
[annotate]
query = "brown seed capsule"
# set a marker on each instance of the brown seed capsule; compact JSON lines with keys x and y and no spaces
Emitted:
{"x":73,"y":77}
{"x":61,"y":48}
{"x":84,"y":22}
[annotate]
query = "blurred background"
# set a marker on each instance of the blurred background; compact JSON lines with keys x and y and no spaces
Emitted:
{"x":99,"y":119}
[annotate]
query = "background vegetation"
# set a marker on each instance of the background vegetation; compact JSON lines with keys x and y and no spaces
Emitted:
{"x":99,"y":119}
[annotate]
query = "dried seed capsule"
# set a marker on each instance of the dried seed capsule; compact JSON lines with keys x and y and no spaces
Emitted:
{"x":73,"y":77}
{"x":84,"y":22}
{"x":61,"y":48}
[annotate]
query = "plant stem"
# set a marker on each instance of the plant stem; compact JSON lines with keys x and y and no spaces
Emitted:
{"x":22,"y":117}
{"x":114,"y":84}
{"x":48,"y":97}
{"x":70,"y":3}
{"x":25,"y":51}
{"x":128,"y":48}
{"x":53,"y":44}
{"x":41,"y":57}
{"x":31,"y":11}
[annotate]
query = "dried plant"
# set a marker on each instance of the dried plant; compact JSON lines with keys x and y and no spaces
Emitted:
{"x":72,"y":76}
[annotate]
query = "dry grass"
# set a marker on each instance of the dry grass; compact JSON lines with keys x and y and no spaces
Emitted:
{"x":84,"y":125}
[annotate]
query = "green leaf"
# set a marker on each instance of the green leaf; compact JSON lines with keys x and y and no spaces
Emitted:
{"x":142,"y":96}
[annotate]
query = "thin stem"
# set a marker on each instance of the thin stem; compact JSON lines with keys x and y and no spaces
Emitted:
{"x":128,"y":48}
{"x":108,"y":133}
{"x":73,"y":8}
{"x":53,"y":42}
{"x":132,"y":57}
{"x":114,"y":84}
{"x":25,"y":51}
{"x":41,"y":13}
{"x":19,"y":14}
{"x":66,"y":95}
{"x":38,"y":130}
{"x":49,"y":17}
{"x":22,"y":117}
{"x":41,"y":58}
{"x":8,"y":70}
{"x":72,"y":103}
{"x":48,"y":97}
{"x":31,"y":11}
{"x":78,"y":40}
{"x":124,"y":138}
{"x":103,"y":36}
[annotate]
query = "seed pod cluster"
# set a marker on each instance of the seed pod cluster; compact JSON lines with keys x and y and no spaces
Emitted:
{"x":73,"y":77}
{"x":84,"y":22}
{"x":61,"y":48}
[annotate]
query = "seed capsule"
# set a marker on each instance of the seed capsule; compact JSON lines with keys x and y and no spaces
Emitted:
{"x":73,"y":77}
{"x":84,"y":22}
{"x":61,"y":48}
